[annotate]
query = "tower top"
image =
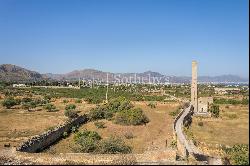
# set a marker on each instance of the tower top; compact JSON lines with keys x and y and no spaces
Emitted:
{"x":194,"y":62}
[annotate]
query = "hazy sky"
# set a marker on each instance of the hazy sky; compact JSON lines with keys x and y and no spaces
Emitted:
{"x":59,"y":36}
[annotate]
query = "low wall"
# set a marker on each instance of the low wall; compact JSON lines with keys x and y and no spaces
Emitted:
{"x":186,"y":147}
{"x":42,"y":141}
{"x":180,"y":146}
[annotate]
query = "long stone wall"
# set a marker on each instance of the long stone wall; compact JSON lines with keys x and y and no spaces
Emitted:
{"x":42,"y":141}
{"x":186,"y":147}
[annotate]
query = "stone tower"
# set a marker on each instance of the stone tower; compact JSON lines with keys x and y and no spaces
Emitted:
{"x":194,"y":97}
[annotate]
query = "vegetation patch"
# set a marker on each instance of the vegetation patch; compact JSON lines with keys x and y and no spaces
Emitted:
{"x":70,"y":107}
{"x":175,"y":113}
{"x":121,"y":111}
{"x":91,"y":142}
{"x":215,"y":110}
{"x":10,"y":102}
{"x":244,"y":101}
{"x":152,"y":104}
{"x":238,"y":154}
{"x":134,"y":116}
{"x":100,"y":125}
{"x":70,"y":114}
{"x":50,"y":107}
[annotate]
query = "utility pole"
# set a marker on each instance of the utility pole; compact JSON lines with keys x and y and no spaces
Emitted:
{"x":107,"y":89}
{"x":79,"y":83}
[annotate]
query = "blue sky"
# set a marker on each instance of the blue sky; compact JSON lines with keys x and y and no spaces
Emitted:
{"x":59,"y":36}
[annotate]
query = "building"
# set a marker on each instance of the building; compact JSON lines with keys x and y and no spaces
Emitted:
{"x":226,"y":90}
{"x":18,"y":85}
{"x":200,"y":105}
{"x":204,"y":103}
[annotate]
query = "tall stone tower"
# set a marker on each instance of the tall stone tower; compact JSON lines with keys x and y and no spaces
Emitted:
{"x":194,"y":97}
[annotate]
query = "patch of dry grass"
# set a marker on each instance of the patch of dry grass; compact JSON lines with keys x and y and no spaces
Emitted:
{"x":231,"y":128}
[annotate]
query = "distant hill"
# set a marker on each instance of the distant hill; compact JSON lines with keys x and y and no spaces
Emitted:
{"x":10,"y":72}
{"x":90,"y":74}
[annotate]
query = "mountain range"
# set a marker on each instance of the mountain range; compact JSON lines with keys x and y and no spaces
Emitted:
{"x":9,"y":72}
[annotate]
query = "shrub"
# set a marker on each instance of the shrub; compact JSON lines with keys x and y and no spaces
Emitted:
{"x":200,"y":124}
{"x":113,"y":145}
{"x":133,"y":116}
{"x":65,"y":134}
{"x":26,"y":100}
{"x":70,"y":113}
{"x":97,"y":113}
{"x":119,"y":104}
{"x":65,"y":101}
{"x":50,"y":107}
{"x":74,"y":129}
{"x":47,"y":98}
{"x":174,"y":113}
{"x":173,"y":144}
{"x":152,"y":105}
{"x":78,"y":101}
{"x":128,"y":135}
{"x":215,"y":110}
{"x":87,"y":141}
{"x":29,"y":105}
{"x":100,"y":125}
{"x":70,"y":107}
{"x":238,"y":154}
{"x":9,"y":102}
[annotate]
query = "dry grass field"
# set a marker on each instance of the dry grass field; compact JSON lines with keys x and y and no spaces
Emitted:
{"x":18,"y":124}
{"x":151,"y":136}
{"x":231,"y":128}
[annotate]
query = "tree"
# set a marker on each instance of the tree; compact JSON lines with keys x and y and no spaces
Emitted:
{"x":215,"y":110}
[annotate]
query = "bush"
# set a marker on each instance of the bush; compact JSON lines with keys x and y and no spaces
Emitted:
{"x":78,"y":101}
{"x":9,"y":102}
{"x":87,"y":141}
{"x":152,"y":105}
{"x":238,"y":154}
{"x":91,"y":142}
{"x":113,"y":145}
{"x":29,"y":105}
{"x":119,"y":104}
{"x":173,"y":144}
{"x":65,"y":134}
{"x":70,"y":113}
{"x":133,"y":116}
{"x":26,"y":100}
{"x":50,"y":107}
{"x":128,"y":135}
{"x":174,"y":113}
{"x":100,"y":125}
{"x":98,"y":113}
{"x":74,"y":129}
{"x":70,"y":107}
{"x":200,"y":124}
{"x":215,"y":110}
{"x":65,"y":101}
